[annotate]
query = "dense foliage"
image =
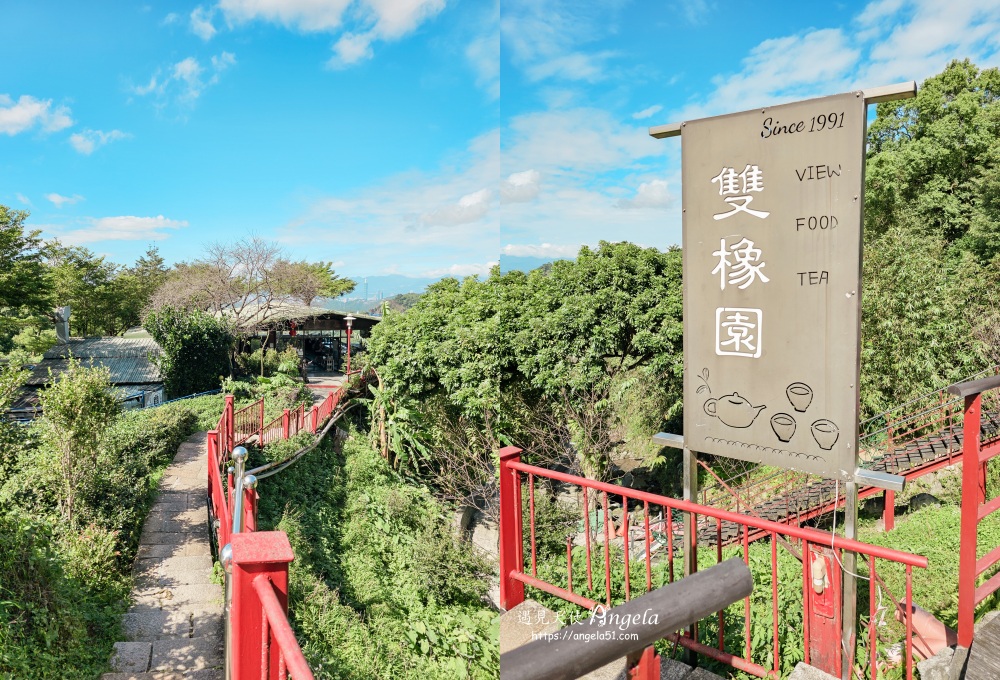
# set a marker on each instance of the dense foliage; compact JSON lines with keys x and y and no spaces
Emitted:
{"x":24,"y":290}
{"x":582,"y":354}
{"x":380,"y":585}
{"x":195,"y":349}
{"x":932,"y":236}
{"x":64,"y":583}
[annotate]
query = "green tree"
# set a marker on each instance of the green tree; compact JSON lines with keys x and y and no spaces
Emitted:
{"x":595,"y":327}
{"x":328,"y":283}
{"x":590,"y":348}
{"x":76,"y":408}
{"x":932,"y":237}
{"x":25,"y":288}
{"x":195,"y":349}
{"x":934,"y":161}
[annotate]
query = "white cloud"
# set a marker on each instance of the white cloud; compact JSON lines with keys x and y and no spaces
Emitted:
{"x":652,"y":194}
{"x":780,"y":69}
{"x":59,"y":201}
{"x":22,"y":198}
{"x":582,"y":140}
{"x":369,"y":20}
{"x":648,"y":112}
{"x":483,"y":54}
{"x":520,"y":186}
{"x":186,"y":80}
{"x":304,"y":15}
{"x":913,"y":39}
{"x":201,"y":23}
{"x":171,"y":19}
{"x":462,"y":270}
{"x":122,"y":228}
{"x":421,"y":220}
{"x":469,"y":208}
{"x":350,"y":49}
{"x":396,"y":18}
{"x":543,"y":38}
{"x":88,"y":141}
{"x":28,"y":112}
{"x":540,"y":250}
{"x":695,"y":11}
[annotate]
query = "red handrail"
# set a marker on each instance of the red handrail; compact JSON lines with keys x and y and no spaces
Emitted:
{"x":816,"y":546}
{"x":290,"y":654}
{"x":234,"y":428}
{"x":811,"y":535}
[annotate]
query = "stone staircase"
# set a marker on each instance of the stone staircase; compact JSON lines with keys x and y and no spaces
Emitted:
{"x":174,"y":628}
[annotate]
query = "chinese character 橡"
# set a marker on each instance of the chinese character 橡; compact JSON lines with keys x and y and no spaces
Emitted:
{"x":743,"y":269}
{"x":736,"y":188}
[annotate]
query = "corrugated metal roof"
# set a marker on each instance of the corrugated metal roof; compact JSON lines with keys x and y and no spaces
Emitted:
{"x":27,"y":399}
{"x":124,"y":370}
{"x":105,"y":348}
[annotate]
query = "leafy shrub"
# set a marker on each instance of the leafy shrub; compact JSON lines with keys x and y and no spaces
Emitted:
{"x":62,"y":590}
{"x":49,"y":618}
{"x":195,"y":349}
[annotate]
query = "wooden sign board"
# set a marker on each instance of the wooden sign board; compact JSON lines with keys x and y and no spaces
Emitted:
{"x":772,"y":283}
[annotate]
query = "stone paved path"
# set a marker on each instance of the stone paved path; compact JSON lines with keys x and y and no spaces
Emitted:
{"x":174,"y":628}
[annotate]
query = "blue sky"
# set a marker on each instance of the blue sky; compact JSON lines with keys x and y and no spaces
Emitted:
{"x":373,"y":133}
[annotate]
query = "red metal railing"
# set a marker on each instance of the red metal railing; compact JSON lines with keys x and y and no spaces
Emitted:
{"x":259,"y":627}
{"x":976,"y":455}
{"x":667,"y":533}
{"x":247,"y":421}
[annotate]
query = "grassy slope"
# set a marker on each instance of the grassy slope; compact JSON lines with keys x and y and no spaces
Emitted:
{"x":380,"y":588}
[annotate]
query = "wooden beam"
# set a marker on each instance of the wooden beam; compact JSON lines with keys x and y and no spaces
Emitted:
{"x":662,"y":131}
{"x":888,"y":93}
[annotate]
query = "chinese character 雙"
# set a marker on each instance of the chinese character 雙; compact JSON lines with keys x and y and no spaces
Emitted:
{"x":738,"y":332}
{"x":743,"y":269}
{"x":736,"y":188}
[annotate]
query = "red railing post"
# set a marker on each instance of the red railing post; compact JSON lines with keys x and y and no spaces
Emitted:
{"x":229,"y":436}
{"x":315,"y":419}
{"x":970,"y":520}
{"x":648,"y":666}
{"x":260,"y":435}
{"x":285,"y":423}
{"x":511,"y":590}
{"x":889,"y":511}
{"x":259,"y":553}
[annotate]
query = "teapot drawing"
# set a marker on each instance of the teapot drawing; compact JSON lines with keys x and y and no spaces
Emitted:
{"x":733,"y":410}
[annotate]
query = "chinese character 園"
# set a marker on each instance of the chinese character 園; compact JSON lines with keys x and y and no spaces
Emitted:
{"x":738,"y":332}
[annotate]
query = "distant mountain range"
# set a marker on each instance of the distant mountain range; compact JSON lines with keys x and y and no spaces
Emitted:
{"x":524,"y":263}
{"x":390,"y":284}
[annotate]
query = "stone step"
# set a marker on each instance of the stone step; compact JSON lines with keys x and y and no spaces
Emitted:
{"x":208,"y":674}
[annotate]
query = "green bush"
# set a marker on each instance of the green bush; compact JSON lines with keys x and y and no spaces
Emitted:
{"x":63,"y":590}
{"x":195,"y":346}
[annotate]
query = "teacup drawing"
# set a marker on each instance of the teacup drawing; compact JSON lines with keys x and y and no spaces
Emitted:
{"x":783,"y":426}
{"x":799,"y":395}
{"x":825,"y":432}
{"x":733,"y":410}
